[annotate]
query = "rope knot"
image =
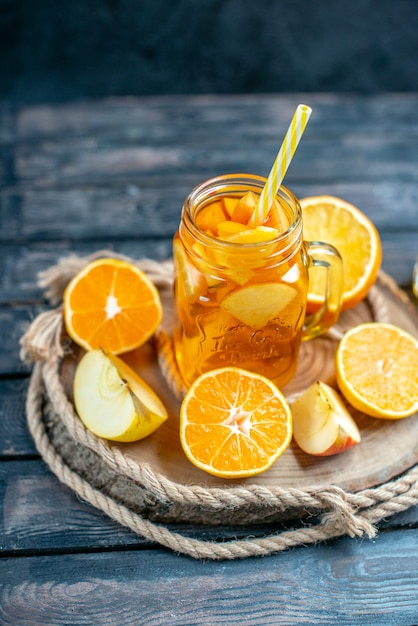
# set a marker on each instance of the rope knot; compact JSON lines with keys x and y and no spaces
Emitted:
{"x":341,"y":517}
{"x":42,"y":340}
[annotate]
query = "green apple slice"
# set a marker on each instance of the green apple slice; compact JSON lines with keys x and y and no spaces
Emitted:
{"x":112,"y":401}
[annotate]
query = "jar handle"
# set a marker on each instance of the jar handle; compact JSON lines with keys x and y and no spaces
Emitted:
{"x":325,"y":256}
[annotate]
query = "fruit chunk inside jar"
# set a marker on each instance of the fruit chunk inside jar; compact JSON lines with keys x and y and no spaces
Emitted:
{"x":232,"y":219}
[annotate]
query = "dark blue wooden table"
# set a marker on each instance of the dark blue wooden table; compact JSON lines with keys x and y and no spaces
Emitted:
{"x":113,"y":174}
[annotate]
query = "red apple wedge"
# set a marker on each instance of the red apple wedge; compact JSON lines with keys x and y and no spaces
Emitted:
{"x":322,"y":425}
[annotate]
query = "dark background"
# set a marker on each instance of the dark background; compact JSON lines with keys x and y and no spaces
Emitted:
{"x":55,"y":50}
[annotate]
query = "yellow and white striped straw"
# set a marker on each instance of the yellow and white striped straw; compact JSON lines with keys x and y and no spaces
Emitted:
{"x":282,"y":162}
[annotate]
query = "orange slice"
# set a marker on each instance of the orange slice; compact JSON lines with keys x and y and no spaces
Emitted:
{"x":234,"y":423}
{"x":256,"y":305}
{"x":335,"y":221}
{"x":111,"y":305}
{"x":377,"y":370}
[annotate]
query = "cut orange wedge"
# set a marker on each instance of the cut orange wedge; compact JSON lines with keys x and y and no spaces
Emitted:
{"x":111,"y":305}
{"x":234,"y":423}
{"x":377,"y":370}
{"x":335,"y":221}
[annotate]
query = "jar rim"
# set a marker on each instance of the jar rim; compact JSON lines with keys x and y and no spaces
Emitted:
{"x":216,"y":185}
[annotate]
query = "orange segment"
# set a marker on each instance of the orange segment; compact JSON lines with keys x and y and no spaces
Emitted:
{"x":335,"y":221}
{"x":234,"y":423}
{"x":377,"y":370}
{"x":111,"y":305}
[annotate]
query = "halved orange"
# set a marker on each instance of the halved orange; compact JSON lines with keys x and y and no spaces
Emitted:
{"x":335,"y":221}
{"x":112,"y":305}
{"x":377,"y":370}
{"x":234,"y":423}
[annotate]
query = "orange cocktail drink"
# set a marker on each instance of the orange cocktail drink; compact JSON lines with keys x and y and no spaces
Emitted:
{"x":241,"y":288}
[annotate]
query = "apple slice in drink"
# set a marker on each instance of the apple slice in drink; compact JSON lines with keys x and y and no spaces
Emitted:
{"x":277,"y":218}
{"x":228,"y":205}
{"x":256,"y":305}
{"x":209,"y":217}
{"x":322,"y":425}
{"x":228,"y":228}
{"x":191,"y":279}
{"x":112,"y":401}
{"x":244,"y":208}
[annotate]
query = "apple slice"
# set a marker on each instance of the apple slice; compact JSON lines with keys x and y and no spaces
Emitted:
{"x":256,"y":305}
{"x":192,"y":280}
{"x":228,"y":205}
{"x":244,"y":208}
{"x":209,"y":216}
{"x":228,"y":228}
{"x":259,"y":234}
{"x":277,"y":218}
{"x":322,"y":425}
{"x":112,"y":401}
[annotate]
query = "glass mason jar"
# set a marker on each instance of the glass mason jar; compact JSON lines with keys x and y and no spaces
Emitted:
{"x":244,"y":304}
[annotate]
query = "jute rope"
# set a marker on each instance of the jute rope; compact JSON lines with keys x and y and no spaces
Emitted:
{"x":338,"y":512}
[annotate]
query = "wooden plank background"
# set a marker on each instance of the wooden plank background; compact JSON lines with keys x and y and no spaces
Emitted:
{"x":113,"y":174}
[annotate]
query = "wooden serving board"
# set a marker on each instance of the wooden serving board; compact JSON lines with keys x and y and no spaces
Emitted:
{"x":387,"y":449}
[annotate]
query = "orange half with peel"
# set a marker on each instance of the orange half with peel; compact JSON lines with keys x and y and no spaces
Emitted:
{"x":337,"y":222}
{"x":112,"y":305}
{"x":377,"y":370}
{"x":234,"y":423}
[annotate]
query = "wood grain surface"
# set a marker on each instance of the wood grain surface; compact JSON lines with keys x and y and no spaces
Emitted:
{"x":113,"y":174}
{"x":387,"y":449}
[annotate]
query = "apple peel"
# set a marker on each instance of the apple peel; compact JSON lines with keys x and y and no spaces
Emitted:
{"x":322,"y":424}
